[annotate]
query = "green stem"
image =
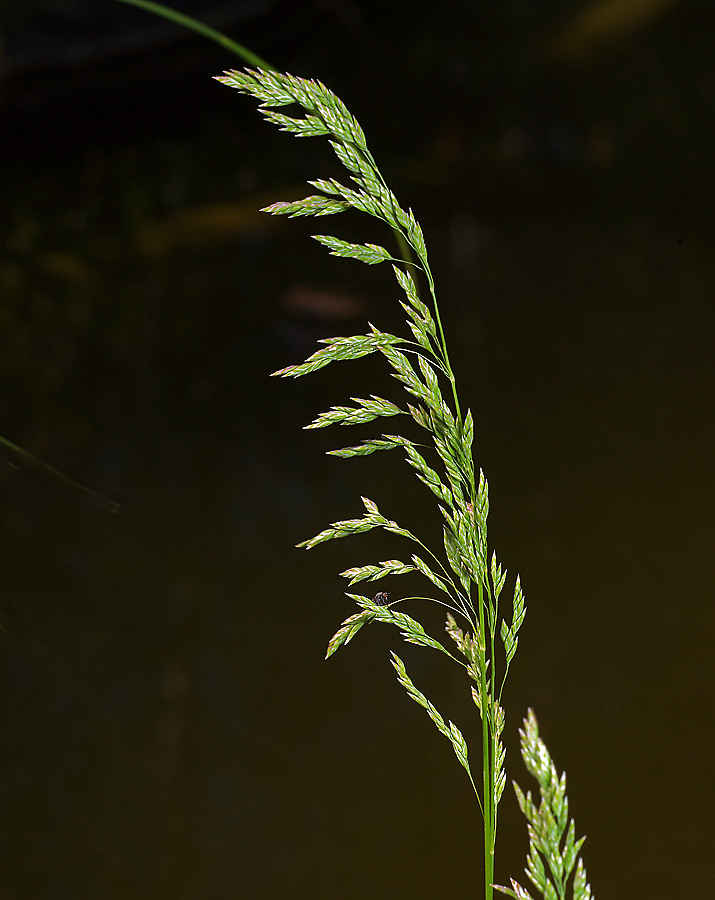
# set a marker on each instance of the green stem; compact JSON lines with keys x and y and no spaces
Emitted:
{"x":202,"y":29}
{"x":494,"y":708}
{"x":486,"y":757}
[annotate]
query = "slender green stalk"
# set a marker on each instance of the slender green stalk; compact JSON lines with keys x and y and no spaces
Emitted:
{"x":194,"y":25}
{"x":486,"y":758}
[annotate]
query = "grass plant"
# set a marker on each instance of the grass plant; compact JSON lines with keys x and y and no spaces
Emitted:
{"x":468,"y":582}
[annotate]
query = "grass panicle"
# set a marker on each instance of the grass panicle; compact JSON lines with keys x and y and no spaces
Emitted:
{"x":469,"y":585}
{"x":420,"y":363}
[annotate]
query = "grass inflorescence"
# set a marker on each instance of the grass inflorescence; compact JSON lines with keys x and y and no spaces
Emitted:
{"x":469,"y":582}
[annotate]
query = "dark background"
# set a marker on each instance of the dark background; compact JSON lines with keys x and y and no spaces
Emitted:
{"x":168,"y":726}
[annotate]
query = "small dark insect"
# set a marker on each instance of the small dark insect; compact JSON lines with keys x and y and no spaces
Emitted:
{"x":381,"y":598}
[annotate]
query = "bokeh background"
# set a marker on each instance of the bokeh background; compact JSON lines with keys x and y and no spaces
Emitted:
{"x":168,"y":727}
